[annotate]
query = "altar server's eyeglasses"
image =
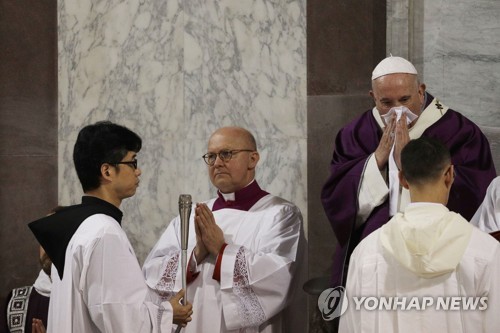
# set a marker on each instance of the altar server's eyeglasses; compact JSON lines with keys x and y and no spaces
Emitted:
{"x":132,"y":164}
{"x":225,"y":155}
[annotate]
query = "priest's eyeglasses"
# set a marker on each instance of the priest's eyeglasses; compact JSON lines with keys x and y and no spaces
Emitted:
{"x":225,"y":155}
{"x":132,"y":164}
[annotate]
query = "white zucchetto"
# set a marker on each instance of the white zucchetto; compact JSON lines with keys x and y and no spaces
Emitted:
{"x":391,"y":65}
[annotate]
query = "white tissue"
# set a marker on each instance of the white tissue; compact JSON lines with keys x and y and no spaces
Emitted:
{"x":399,"y":111}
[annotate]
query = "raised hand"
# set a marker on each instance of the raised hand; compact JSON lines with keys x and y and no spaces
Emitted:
{"x":212,"y":236}
{"x":200,"y":251}
{"x":386,"y":142}
{"x":37,"y":326}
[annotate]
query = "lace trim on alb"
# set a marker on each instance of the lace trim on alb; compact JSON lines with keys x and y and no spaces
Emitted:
{"x":165,"y":286}
{"x":249,"y":308}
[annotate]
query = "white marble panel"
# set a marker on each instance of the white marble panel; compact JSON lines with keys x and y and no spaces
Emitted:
{"x":120,"y":57}
{"x":246,"y":66}
{"x":281,"y":170}
{"x":174,"y":71}
{"x":397,"y":28}
{"x":70,"y":190}
{"x":462,"y":63}
{"x":455,"y":47}
{"x":122,"y":61}
{"x":165,"y":176}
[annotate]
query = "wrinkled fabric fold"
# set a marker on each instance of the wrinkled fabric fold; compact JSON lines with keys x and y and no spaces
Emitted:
{"x":427,"y":239}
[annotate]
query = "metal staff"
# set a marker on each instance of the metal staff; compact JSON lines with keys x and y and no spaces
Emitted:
{"x":185,"y":204}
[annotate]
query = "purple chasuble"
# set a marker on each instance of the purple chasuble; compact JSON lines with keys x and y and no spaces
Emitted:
{"x":244,"y":199}
{"x":470,"y":154}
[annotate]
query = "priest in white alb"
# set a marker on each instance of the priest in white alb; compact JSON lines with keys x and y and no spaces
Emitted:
{"x":425,"y":253}
{"x":244,"y":249}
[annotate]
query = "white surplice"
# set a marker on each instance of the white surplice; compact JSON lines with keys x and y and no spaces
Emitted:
{"x":487,"y":217}
{"x":103,"y":289}
{"x":43,"y":284}
{"x":426,"y":252}
{"x":258,"y":266}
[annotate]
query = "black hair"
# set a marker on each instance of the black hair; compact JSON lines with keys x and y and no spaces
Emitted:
{"x":102,"y":142}
{"x":424,"y":160}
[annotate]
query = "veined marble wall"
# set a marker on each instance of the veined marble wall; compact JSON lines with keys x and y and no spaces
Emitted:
{"x":455,"y":46}
{"x":174,"y":71}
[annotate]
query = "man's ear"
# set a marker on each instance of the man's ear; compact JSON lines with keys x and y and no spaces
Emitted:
{"x":402,"y":180}
{"x":106,"y":171}
{"x":421,"y":92}
{"x":254,"y":159}
{"x":449,"y":176}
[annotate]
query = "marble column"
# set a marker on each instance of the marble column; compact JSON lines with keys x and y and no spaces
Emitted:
{"x":345,"y":40}
{"x":174,"y":71}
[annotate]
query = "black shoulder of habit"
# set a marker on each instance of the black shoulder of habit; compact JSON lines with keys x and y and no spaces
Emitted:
{"x":55,"y":231}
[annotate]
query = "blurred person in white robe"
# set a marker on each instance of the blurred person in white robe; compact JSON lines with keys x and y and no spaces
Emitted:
{"x":487,"y":217}
{"x":246,"y":249}
{"x":428,"y":252}
{"x":97,"y":283}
